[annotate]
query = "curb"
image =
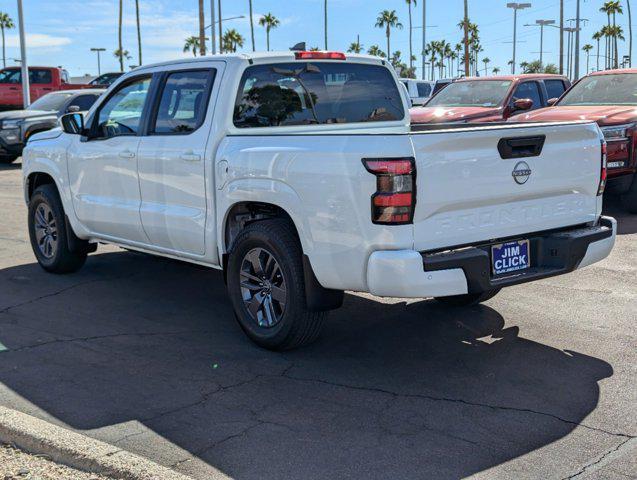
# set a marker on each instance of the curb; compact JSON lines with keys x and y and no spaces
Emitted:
{"x":76,"y":450}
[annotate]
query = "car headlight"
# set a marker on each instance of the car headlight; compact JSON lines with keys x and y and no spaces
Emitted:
{"x":617,"y":132}
{"x":9,"y":124}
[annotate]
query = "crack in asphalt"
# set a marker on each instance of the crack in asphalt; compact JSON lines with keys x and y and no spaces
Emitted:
{"x":594,"y":463}
{"x":462,"y":402}
{"x":101,"y":337}
{"x":65,"y":289}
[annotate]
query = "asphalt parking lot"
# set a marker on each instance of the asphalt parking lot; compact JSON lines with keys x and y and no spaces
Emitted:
{"x":144,"y":353}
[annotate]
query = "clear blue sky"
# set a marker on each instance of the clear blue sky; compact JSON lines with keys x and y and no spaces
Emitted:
{"x":61,"y":32}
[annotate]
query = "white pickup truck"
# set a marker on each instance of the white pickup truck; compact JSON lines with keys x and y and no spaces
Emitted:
{"x":299,"y":175}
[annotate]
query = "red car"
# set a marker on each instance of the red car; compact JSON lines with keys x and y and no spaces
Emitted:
{"x":490,"y":99}
{"x":610,"y":99}
{"x":42,"y":80}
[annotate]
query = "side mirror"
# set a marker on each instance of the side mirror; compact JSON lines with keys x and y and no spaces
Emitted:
{"x":73,"y":123}
{"x":552,"y":101}
{"x":73,"y":109}
{"x":522,"y":104}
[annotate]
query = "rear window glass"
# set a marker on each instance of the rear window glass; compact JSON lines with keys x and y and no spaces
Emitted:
{"x":424,"y":89}
{"x":554,"y":88}
{"x":312,"y":93}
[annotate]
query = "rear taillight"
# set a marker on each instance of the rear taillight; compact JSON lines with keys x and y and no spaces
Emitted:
{"x":395,"y":198}
{"x":320,"y":56}
{"x":603,"y":174}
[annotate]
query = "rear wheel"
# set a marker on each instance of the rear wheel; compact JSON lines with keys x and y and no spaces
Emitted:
{"x":629,"y":199}
{"x":48,"y":234}
{"x":267,"y":287}
{"x":468,"y":299}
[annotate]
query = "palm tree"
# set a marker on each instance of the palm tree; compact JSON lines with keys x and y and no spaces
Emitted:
{"x":597,"y":36}
{"x":120,"y":49}
{"x":606,"y":8}
{"x":630,"y":36}
{"x":139,"y":32}
{"x":202,"y":29}
{"x":486,"y":61}
{"x":269,"y":21}
{"x":411,"y":54}
{"x":192,"y":45}
{"x":122,"y":55}
{"x":524,"y":66}
{"x":251,"y":25}
{"x":388,"y":19}
{"x":355,"y":47}
{"x":495,"y":70}
{"x":376,"y":51}
{"x":587,"y":48}
{"x":6,"y":22}
{"x":616,"y":33}
{"x":231,"y":40}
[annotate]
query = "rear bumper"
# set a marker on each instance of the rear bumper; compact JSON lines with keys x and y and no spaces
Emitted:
{"x":411,"y":274}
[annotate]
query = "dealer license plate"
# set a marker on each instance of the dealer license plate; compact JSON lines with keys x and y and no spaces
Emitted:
{"x":510,"y":257}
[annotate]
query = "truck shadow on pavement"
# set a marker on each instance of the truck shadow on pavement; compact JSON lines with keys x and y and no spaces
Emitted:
{"x":626,"y":222}
{"x":147,"y":351}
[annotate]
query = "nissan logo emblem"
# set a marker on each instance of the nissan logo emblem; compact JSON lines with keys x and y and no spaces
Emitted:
{"x":521,"y":173}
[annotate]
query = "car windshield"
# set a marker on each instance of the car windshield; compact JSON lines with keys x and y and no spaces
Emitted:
{"x":618,"y":89}
{"x":52,"y":102}
{"x":478,"y":93}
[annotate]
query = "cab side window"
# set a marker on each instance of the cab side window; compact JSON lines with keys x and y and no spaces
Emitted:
{"x":184,"y":101}
{"x":554,"y":88}
{"x":121,"y":114}
{"x":528,"y":90}
{"x":424,"y":89}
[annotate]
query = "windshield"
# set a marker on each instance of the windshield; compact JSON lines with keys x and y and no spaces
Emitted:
{"x":478,"y":93}
{"x":301,"y":93}
{"x":619,"y":89}
{"x":10,"y":76}
{"x":52,"y":102}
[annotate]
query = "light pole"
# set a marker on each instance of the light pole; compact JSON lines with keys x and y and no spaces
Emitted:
{"x":424,"y":38}
{"x":26,"y":90}
{"x":577,"y":30}
{"x":214,"y":51}
{"x":213,"y":36}
{"x":516,"y":6}
{"x":541,"y":24}
{"x":99,"y":65}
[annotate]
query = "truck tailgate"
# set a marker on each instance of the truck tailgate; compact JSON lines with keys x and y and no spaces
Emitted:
{"x":484,"y":183}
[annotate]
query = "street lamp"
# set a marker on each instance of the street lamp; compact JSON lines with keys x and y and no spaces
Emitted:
{"x":516,"y":6}
{"x":541,"y":24}
{"x":214,"y":22}
{"x":99,"y":65}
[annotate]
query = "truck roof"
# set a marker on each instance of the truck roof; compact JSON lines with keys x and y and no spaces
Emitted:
{"x":614,"y":72}
{"x":261,"y":57}
{"x":512,"y":78}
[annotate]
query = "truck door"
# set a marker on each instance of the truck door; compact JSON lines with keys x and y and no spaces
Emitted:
{"x":103,"y":169}
{"x":176,"y":161}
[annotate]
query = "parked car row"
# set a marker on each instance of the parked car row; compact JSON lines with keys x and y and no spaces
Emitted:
{"x":300,"y":175}
{"x":608,"y":98}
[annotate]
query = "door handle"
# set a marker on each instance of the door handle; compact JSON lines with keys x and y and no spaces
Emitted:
{"x":190,"y":157}
{"x":127,"y":154}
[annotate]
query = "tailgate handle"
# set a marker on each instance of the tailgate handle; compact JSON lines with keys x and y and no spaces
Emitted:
{"x":521,"y":147}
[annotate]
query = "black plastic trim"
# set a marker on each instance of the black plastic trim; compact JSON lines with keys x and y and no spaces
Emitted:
{"x":551,"y":254}
{"x":319,"y":298}
{"x":521,"y":147}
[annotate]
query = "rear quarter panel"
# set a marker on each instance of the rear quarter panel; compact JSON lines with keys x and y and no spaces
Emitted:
{"x":321,"y":182}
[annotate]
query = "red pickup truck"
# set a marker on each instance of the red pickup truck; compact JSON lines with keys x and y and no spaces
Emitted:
{"x":610,"y":99}
{"x":42,"y":80}
{"x":490,"y":99}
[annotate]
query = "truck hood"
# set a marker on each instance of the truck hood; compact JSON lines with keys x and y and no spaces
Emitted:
{"x":47,"y":135}
{"x":604,"y":115}
{"x":451,"y":114}
{"x":22,"y":114}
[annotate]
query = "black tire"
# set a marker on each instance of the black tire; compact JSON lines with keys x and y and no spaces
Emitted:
{"x":295,"y":325}
{"x":59,"y":259}
{"x":629,"y":199}
{"x":8,"y":159}
{"x":468,"y":299}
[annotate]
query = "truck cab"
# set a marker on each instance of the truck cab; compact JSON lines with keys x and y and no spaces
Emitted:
{"x":42,"y":80}
{"x":490,"y":99}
